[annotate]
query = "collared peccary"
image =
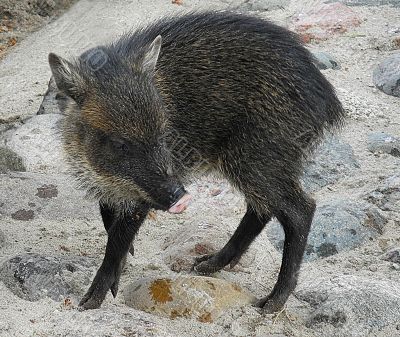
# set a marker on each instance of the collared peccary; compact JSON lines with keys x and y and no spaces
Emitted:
{"x":247,"y":99}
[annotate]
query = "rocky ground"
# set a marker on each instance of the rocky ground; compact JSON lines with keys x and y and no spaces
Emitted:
{"x":52,"y":239}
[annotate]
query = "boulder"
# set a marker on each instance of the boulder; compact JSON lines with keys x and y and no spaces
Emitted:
{"x":198,"y":297}
{"x":33,"y":277}
{"x":386,"y":75}
{"x":349,"y":305}
{"x":338,"y":225}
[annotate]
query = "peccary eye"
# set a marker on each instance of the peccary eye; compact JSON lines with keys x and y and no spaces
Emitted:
{"x":119,"y":144}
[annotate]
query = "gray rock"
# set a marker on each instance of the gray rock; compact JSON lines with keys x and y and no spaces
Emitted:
{"x":10,"y":161}
{"x":325,"y":61}
{"x":257,"y":5}
{"x":38,"y":143}
{"x":33,"y":277}
{"x":49,"y":104}
{"x":332,"y":160}
{"x":387,"y":196}
{"x":27,"y":196}
{"x":380,"y":142}
{"x":395,"y":3}
{"x":350,"y":305}
{"x":338,"y":225}
{"x":393,"y":255}
{"x":386,"y":75}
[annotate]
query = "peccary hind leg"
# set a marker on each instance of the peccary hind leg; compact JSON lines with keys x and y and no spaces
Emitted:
{"x":121,"y":226}
{"x":250,"y":226}
{"x":295,"y":216}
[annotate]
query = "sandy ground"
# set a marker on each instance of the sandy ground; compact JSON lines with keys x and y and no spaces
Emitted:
{"x":369,"y":110}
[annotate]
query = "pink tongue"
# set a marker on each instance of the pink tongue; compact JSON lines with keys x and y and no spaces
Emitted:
{"x":181,"y":205}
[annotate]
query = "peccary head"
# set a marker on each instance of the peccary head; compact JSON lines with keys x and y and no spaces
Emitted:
{"x":115,"y":126}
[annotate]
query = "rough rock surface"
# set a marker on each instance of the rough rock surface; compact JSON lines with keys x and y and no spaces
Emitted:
{"x":338,"y":225}
{"x":199,"y":297}
{"x":325,"y":60}
{"x":386,"y":75}
{"x":380,"y":142}
{"x":34,"y":276}
{"x":10,"y":161}
{"x":350,"y":305}
{"x":331,"y":161}
{"x":387,"y":195}
{"x":37,"y":141}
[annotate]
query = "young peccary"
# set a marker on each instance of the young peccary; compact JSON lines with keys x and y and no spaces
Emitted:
{"x":245,"y":97}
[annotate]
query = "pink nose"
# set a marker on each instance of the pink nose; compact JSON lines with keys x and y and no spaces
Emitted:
{"x":181,"y":204}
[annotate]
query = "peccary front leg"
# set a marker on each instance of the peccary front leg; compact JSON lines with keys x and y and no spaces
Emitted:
{"x":108,"y":216}
{"x":250,"y":226}
{"x":122,"y":224}
{"x":295,"y":217}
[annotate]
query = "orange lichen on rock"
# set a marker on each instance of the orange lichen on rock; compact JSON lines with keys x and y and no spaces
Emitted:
{"x":160,"y":290}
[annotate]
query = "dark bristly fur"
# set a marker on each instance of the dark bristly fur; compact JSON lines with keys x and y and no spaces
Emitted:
{"x":244,"y":97}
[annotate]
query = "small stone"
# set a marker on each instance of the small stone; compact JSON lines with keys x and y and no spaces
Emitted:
{"x":215,"y":192}
{"x":325,"y":61}
{"x":198,"y":297}
{"x":33,"y":277}
{"x":386,"y":75}
{"x":380,"y":142}
{"x":396,"y":266}
{"x":257,"y":5}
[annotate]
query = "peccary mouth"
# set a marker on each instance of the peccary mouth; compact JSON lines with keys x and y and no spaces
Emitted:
{"x":181,"y":204}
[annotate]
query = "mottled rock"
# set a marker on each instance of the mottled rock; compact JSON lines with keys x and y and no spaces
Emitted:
{"x":257,"y":5}
{"x":380,"y":142}
{"x":324,"y":20}
{"x":386,"y":75}
{"x":324,"y":60}
{"x":10,"y":161}
{"x":198,"y":297}
{"x":338,"y":225}
{"x":387,"y":196}
{"x":332,"y":160}
{"x":32,"y":276}
{"x":38,"y":143}
{"x":350,"y":305}
{"x":49,"y":104}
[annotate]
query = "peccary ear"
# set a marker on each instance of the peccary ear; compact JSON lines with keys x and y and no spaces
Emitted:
{"x":67,"y":79}
{"x":151,"y":56}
